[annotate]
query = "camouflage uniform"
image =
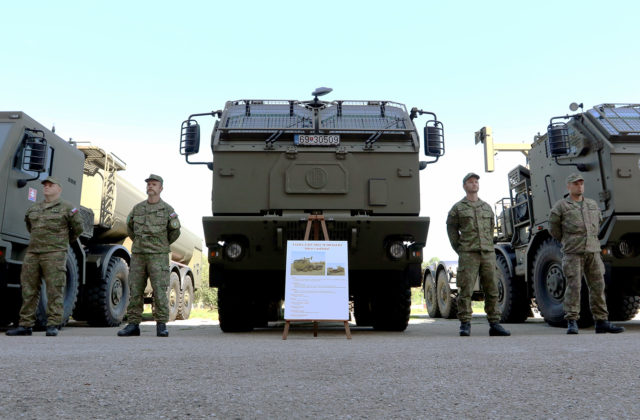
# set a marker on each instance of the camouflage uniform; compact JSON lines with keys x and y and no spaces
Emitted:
{"x":52,"y":226}
{"x":576,"y":225}
{"x":470,"y":228}
{"x":152,"y":227}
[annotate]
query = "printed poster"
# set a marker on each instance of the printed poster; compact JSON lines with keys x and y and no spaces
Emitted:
{"x":317,"y":281}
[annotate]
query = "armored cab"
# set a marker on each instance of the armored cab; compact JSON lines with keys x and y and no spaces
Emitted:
{"x":278,"y":161}
{"x":603,"y":145}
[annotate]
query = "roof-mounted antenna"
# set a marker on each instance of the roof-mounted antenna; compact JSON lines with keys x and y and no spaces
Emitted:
{"x":321,"y":91}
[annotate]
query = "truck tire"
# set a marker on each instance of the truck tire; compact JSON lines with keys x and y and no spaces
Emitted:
{"x":186,"y":299}
{"x":70,"y":294}
{"x":512,"y":294}
{"x":174,"y":295}
{"x":362,"y":311}
{"x":234,"y":312}
{"x":391,"y":305}
{"x":549,"y":286}
{"x":447,"y":300}
{"x":108,"y":298}
{"x":622,"y":307}
{"x":430,"y":292}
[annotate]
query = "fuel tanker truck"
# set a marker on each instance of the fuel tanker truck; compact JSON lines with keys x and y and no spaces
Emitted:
{"x":97,"y":287}
{"x":603,"y":145}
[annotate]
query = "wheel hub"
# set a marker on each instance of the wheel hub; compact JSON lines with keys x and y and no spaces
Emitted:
{"x":116,"y":292}
{"x":555,"y":282}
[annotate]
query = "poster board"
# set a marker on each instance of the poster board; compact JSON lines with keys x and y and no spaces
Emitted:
{"x":317,"y":281}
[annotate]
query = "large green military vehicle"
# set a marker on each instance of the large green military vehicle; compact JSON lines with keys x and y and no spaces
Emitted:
{"x":278,"y":161}
{"x":97,"y":288}
{"x":603,"y":144}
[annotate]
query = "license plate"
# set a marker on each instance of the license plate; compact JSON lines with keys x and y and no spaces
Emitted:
{"x":316,"y":139}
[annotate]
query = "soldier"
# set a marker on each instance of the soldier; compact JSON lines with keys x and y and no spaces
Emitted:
{"x":470,"y":228}
{"x":52,"y":223}
{"x":152,"y":225}
{"x":575,"y":221}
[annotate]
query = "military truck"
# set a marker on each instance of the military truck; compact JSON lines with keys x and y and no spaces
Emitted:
{"x":97,"y":288}
{"x":275,"y":162}
{"x":440,"y":290}
{"x":603,"y":145}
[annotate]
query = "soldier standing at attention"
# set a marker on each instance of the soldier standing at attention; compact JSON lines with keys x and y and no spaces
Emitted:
{"x":575,"y":221}
{"x":152,"y":225}
{"x":470,"y":228}
{"x":52,"y":223}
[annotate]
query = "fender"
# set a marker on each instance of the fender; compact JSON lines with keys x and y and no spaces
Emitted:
{"x":100,"y":254}
{"x":506,"y":250}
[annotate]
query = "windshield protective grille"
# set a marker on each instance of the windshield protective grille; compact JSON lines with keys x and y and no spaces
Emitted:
{"x":618,"y":120}
{"x":336,"y":117}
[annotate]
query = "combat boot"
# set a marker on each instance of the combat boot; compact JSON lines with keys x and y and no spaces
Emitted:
{"x":131,"y":330}
{"x":20,"y":331}
{"x":572,"y":326}
{"x":51,"y":331}
{"x":161,"y":330}
{"x":497,"y":330}
{"x":465,"y":329}
{"x":604,"y":326}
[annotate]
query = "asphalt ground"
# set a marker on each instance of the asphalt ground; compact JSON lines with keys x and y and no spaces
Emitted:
{"x":427,"y":372}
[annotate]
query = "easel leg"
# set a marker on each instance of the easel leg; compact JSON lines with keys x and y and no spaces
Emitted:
{"x":347,"y":330}
{"x":285,"y":333}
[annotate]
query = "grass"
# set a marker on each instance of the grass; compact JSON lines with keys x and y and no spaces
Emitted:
{"x":196,"y":313}
{"x":418,"y":307}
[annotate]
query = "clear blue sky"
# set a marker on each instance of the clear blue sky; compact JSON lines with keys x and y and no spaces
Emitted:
{"x":124,"y":75}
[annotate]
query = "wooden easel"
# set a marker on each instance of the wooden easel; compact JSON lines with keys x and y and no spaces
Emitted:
{"x":316,"y":220}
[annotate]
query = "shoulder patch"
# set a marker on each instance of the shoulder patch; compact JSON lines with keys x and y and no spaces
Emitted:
{"x":173,"y":215}
{"x":73,"y":211}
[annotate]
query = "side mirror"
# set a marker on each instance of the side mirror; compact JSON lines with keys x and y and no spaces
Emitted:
{"x":190,"y":138}
{"x":34,"y":156}
{"x":558,"y":139}
{"x":434,"y":139}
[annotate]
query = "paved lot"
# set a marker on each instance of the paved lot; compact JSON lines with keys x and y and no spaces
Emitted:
{"x":425,"y":372}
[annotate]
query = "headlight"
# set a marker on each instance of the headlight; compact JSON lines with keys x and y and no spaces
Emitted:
{"x":233,"y":251}
{"x":397,"y":250}
{"x":625,"y":248}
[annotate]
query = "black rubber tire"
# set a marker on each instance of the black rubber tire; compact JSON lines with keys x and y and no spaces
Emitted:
{"x":430,"y":293}
{"x":70,"y":294}
{"x":174,"y":295}
{"x":549,"y":286}
{"x":234,"y":312}
{"x":447,"y":300}
{"x":622,"y":307}
{"x":512,"y":294}
{"x":108,"y":298}
{"x":362,"y":311}
{"x":186,"y":299}
{"x":391,"y":304}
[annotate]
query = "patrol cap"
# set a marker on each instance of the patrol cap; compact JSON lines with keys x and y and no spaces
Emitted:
{"x":574,"y":177}
{"x":51,"y":180}
{"x":154,"y":177}
{"x":469,"y":175}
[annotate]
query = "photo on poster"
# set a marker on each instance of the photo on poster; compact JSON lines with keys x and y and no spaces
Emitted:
{"x":308,"y":263}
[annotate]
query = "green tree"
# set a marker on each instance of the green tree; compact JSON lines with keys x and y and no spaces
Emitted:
{"x":205,"y":295}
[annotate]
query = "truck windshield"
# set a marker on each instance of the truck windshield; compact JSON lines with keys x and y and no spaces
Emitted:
{"x":4,"y":132}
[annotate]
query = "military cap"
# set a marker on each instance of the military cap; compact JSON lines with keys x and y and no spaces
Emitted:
{"x":469,"y":175}
{"x":574,"y":177}
{"x":51,"y":180}
{"x":154,"y":177}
